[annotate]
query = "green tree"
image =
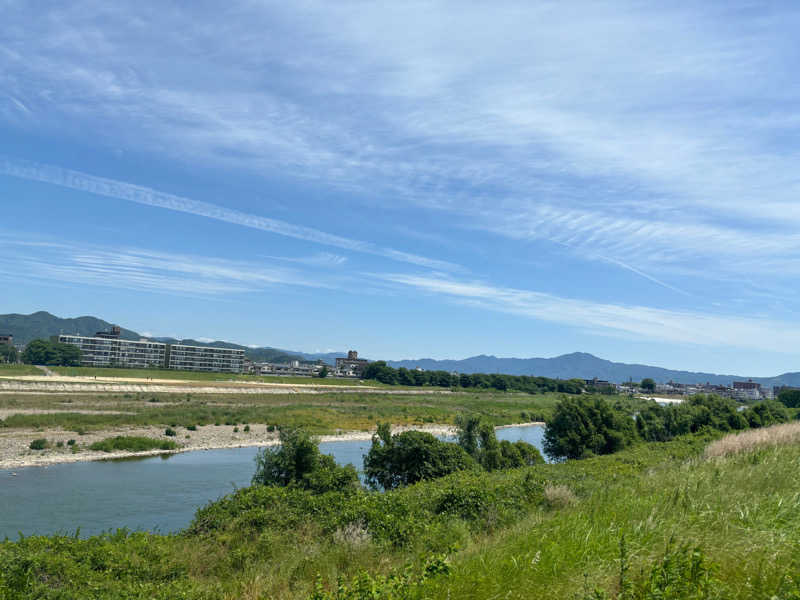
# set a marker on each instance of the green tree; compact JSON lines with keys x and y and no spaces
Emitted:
{"x":582,"y":427}
{"x":790,"y":398}
{"x":323,"y":372}
{"x":8,"y":353}
{"x":648,"y":385}
{"x":405,"y":458}
{"x":298,"y":462}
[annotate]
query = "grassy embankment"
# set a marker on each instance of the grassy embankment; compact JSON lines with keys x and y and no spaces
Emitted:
{"x":658,"y":520}
{"x":12,"y":370}
{"x":193,"y":376}
{"x":318,"y":413}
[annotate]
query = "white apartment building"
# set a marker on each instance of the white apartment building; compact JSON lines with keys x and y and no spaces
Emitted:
{"x":114,"y":352}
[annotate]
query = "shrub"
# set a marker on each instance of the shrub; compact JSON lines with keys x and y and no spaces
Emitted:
{"x":247,"y":428}
{"x":581,"y":427}
{"x":298,"y":462}
{"x":59,"y":444}
{"x":235,"y":430}
{"x":192,"y":428}
{"x":132,"y":444}
{"x":270,"y":428}
{"x":70,"y":442}
{"x":170,"y":432}
{"x":38,"y":444}
{"x":411,"y":456}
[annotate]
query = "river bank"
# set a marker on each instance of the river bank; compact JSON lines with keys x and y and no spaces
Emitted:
{"x":15,"y":452}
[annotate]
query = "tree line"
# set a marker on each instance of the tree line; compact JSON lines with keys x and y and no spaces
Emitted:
{"x":46,"y":352}
{"x":587,"y":426}
{"x":383,"y":373}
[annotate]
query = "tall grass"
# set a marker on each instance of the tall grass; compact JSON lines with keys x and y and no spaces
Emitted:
{"x":753,"y":439}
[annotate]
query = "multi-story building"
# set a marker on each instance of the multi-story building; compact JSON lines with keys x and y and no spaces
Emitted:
{"x":204,"y":358}
{"x":114,"y":352}
{"x":352,"y":366}
{"x":6,"y":338}
{"x":294,"y":368}
{"x":106,"y":349}
{"x":746,"y":390}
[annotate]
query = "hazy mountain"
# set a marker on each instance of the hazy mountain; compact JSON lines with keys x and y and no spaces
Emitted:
{"x":584,"y":366}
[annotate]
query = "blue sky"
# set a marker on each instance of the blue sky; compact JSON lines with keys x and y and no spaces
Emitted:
{"x":411,"y":179}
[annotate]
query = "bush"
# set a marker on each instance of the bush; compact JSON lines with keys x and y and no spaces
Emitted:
{"x":247,"y":428}
{"x":192,"y":428}
{"x":132,"y":444}
{"x":59,"y":444}
{"x":70,"y":442}
{"x":582,"y":427}
{"x":39,"y":444}
{"x":170,"y":432}
{"x":790,"y":398}
{"x":235,"y":430}
{"x":297,"y":462}
{"x":411,"y":456}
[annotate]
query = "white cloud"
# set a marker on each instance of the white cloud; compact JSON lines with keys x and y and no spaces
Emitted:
{"x":144,"y":270}
{"x":639,"y":322}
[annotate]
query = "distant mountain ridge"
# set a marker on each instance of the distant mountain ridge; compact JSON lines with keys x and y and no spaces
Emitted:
{"x":584,"y":366}
{"x":580,"y":365}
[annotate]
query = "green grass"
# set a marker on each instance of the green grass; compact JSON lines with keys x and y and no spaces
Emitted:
{"x":320,"y":413}
{"x":11,"y":370}
{"x":132,"y":444}
{"x":653,"y":522}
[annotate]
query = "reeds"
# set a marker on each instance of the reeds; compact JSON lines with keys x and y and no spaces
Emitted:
{"x":752,"y":439}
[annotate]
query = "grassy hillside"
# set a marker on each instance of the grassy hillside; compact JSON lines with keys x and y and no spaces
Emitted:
{"x":42,"y":324}
{"x":658,"y":521}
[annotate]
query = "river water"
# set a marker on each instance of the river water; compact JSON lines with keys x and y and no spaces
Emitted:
{"x":153,"y":494}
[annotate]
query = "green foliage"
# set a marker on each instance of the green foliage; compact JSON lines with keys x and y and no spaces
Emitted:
{"x":8,"y":354}
{"x":131,"y":443}
{"x":297,"y":462}
{"x":789,"y":398}
{"x":648,"y":385}
{"x":323,"y":372}
{"x":170,"y":432}
{"x":479,"y":440}
{"x":764,"y":414}
{"x":411,"y":456}
{"x":45,"y":352}
{"x":380,"y":371}
{"x":583,"y":427}
{"x":38,"y":444}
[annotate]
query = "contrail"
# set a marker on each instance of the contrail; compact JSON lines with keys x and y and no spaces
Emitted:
{"x":121,"y":190}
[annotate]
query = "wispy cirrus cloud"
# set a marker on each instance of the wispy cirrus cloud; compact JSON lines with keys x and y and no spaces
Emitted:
{"x":628,"y":321}
{"x":649,"y":135}
{"x":143,"y":270}
{"x":101,"y":186}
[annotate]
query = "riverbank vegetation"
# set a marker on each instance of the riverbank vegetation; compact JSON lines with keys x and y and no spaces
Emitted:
{"x":324,"y":413}
{"x":132,"y":444}
{"x":654,"y":520}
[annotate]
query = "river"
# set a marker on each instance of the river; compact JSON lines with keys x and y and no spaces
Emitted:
{"x":158,"y":493}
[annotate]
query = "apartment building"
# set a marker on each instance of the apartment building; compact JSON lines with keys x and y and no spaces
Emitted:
{"x":114,"y":352}
{"x":106,"y":349}
{"x":204,"y":358}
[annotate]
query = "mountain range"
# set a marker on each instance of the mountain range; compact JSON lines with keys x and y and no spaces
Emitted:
{"x":580,"y":365}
